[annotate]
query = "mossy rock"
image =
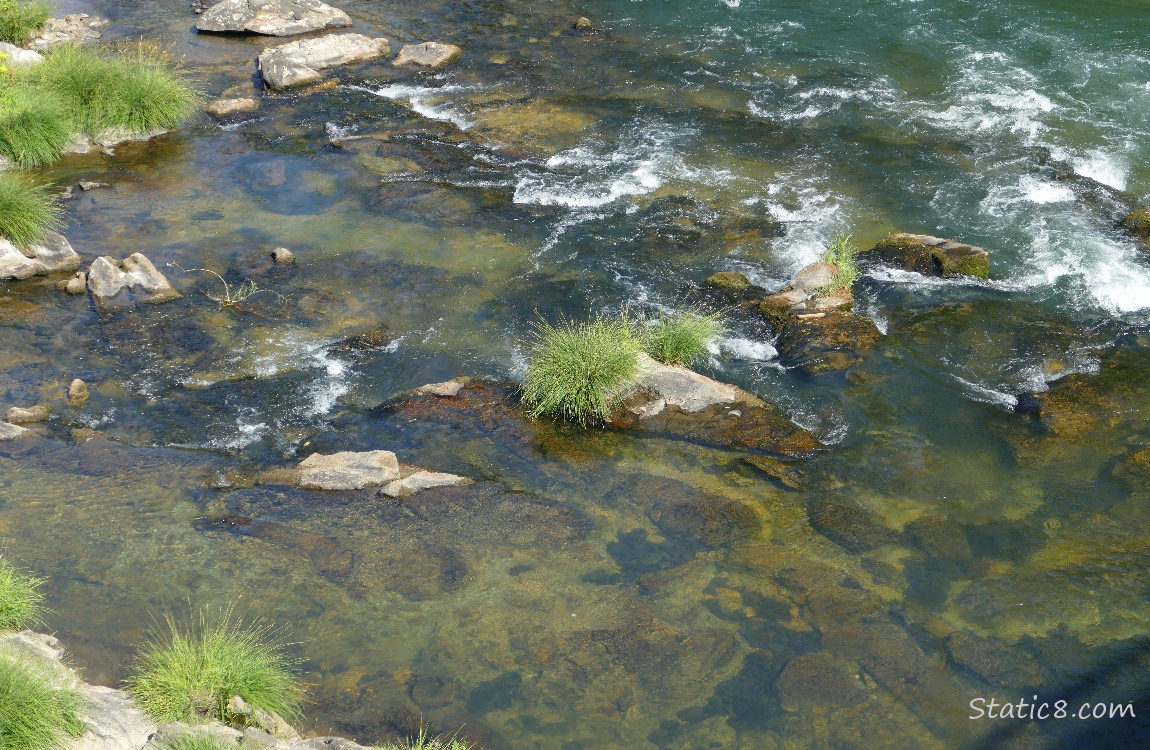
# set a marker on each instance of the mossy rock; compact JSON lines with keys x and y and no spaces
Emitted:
{"x":932,"y":256}
{"x":1137,"y":223}
{"x":818,"y":345}
{"x":728,"y":281}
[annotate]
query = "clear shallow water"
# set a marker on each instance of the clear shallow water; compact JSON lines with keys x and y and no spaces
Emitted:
{"x":602,"y":590}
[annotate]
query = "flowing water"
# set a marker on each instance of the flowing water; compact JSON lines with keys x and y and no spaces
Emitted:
{"x":605,"y":590}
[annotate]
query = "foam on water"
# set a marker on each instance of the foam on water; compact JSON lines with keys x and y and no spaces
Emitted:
{"x":433,"y":102}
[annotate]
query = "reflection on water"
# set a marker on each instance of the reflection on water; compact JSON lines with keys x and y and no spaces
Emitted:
{"x":976,"y":527}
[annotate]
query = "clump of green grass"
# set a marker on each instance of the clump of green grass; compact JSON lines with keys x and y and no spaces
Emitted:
{"x":197,"y":741}
{"x":423,"y":742}
{"x":36,"y":713}
{"x":844,"y":254}
{"x":20,"y":20}
{"x":190,"y":673}
{"x":132,"y":88}
{"x":21,"y":602}
{"x":34,"y":128}
{"x":576,"y":370}
{"x":26,"y":211}
{"x":682,"y":339}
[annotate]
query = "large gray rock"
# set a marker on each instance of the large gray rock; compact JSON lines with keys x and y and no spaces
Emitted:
{"x":427,"y":54}
{"x":52,"y":254}
{"x":73,"y":29}
{"x":348,"y":470}
{"x":272,"y":17}
{"x":300,"y":63}
{"x":133,"y":279}
{"x":11,"y":431}
{"x":18,"y":56}
{"x":671,"y":385}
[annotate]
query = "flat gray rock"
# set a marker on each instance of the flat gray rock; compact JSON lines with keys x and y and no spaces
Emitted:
{"x":114,"y":281}
{"x":677,"y":386}
{"x":422,"y":480}
{"x":52,"y":254}
{"x":427,"y":54}
{"x":299,"y":63}
{"x":348,"y":470}
{"x":18,"y":56}
{"x":11,"y":431}
{"x":272,"y":17}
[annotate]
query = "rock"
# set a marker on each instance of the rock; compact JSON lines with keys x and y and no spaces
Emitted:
{"x":427,"y":54}
{"x":18,"y":56}
{"x":814,"y":277}
{"x":932,"y":256}
{"x":168,"y":734}
{"x":582,"y":23}
{"x":998,"y":663}
{"x":37,"y":413}
{"x":272,"y":723}
{"x":133,"y":279}
{"x":847,"y":524}
{"x":11,"y":431}
{"x":52,"y":254}
{"x":825,"y":341}
{"x":92,"y":185}
{"x":75,"y":285}
{"x":78,"y":393}
{"x":678,"y":386}
{"x":422,"y":480}
{"x":728,"y":281}
{"x":1137,"y":224}
{"x":348,"y":470}
{"x":226,"y":107}
{"x":72,"y":29}
{"x":299,"y":63}
{"x":272,"y":17}
{"x":815,"y":679}
{"x":446,"y":389}
{"x":281,"y":256}
{"x":787,"y":474}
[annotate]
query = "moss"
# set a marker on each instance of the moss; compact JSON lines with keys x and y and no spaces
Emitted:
{"x":1137,"y":223}
{"x":963,"y":265}
{"x":728,"y":281}
{"x":900,"y":241}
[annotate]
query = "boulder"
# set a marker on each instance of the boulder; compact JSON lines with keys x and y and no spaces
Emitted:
{"x":728,"y":281}
{"x":348,"y":470}
{"x":37,"y":413}
{"x":299,"y":63}
{"x":281,"y":256}
{"x":222,"y":108}
{"x":1137,"y":225}
{"x":427,"y":54}
{"x":133,"y":279}
{"x":446,"y":389}
{"x":932,"y":256}
{"x":18,"y":56}
{"x":73,"y":29}
{"x":75,"y":285}
{"x":11,"y":431}
{"x":78,"y":393}
{"x":421,"y":480}
{"x":671,"y":385}
{"x":51,"y":254}
{"x":272,"y":17}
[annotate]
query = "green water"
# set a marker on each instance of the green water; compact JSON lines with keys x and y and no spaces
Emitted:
{"x":607,"y":590}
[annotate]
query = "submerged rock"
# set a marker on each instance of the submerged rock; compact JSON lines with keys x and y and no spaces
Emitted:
{"x":281,"y":256}
{"x":932,"y":256}
{"x":427,"y":54}
{"x":299,"y":63}
{"x":422,"y":480}
{"x":37,"y":413}
{"x":18,"y":56}
{"x":72,"y":29}
{"x":78,"y":393}
{"x":78,"y":284}
{"x":272,"y":17}
{"x":1137,"y":225}
{"x":133,"y":279}
{"x":847,"y":524}
{"x":50,"y":255}
{"x":728,"y":281}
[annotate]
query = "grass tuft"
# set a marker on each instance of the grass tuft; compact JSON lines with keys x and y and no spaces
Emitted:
{"x":577,"y":369}
{"x":682,"y":339}
{"x":26,"y":211}
{"x":34,"y":128}
{"x":36,"y":713}
{"x":21,"y":602}
{"x":190,"y":673}
{"x":423,"y":742}
{"x":20,"y":20}
{"x":197,"y":741}
{"x":843,"y":253}
{"x":134,"y":88}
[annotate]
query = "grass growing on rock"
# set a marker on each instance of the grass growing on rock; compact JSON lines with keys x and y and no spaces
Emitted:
{"x":26,"y":211}
{"x":682,"y":339}
{"x":34,"y":128}
{"x":197,"y":741}
{"x":36,"y":713}
{"x":423,"y":742}
{"x":843,"y":253}
{"x":576,"y":370}
{"x":21,"y":602}
{"x":20,"y":20}
{"x":190,"y":673}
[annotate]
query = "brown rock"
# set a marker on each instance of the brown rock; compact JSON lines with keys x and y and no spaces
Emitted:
{"x":427,"y":54}
{"x":227,"y":107}
{"x":348,"y":470}
{"x":38,"y":413}
{"x":932,"y":256}
{"x":282,"y":256}
{"x":78,"y":393}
